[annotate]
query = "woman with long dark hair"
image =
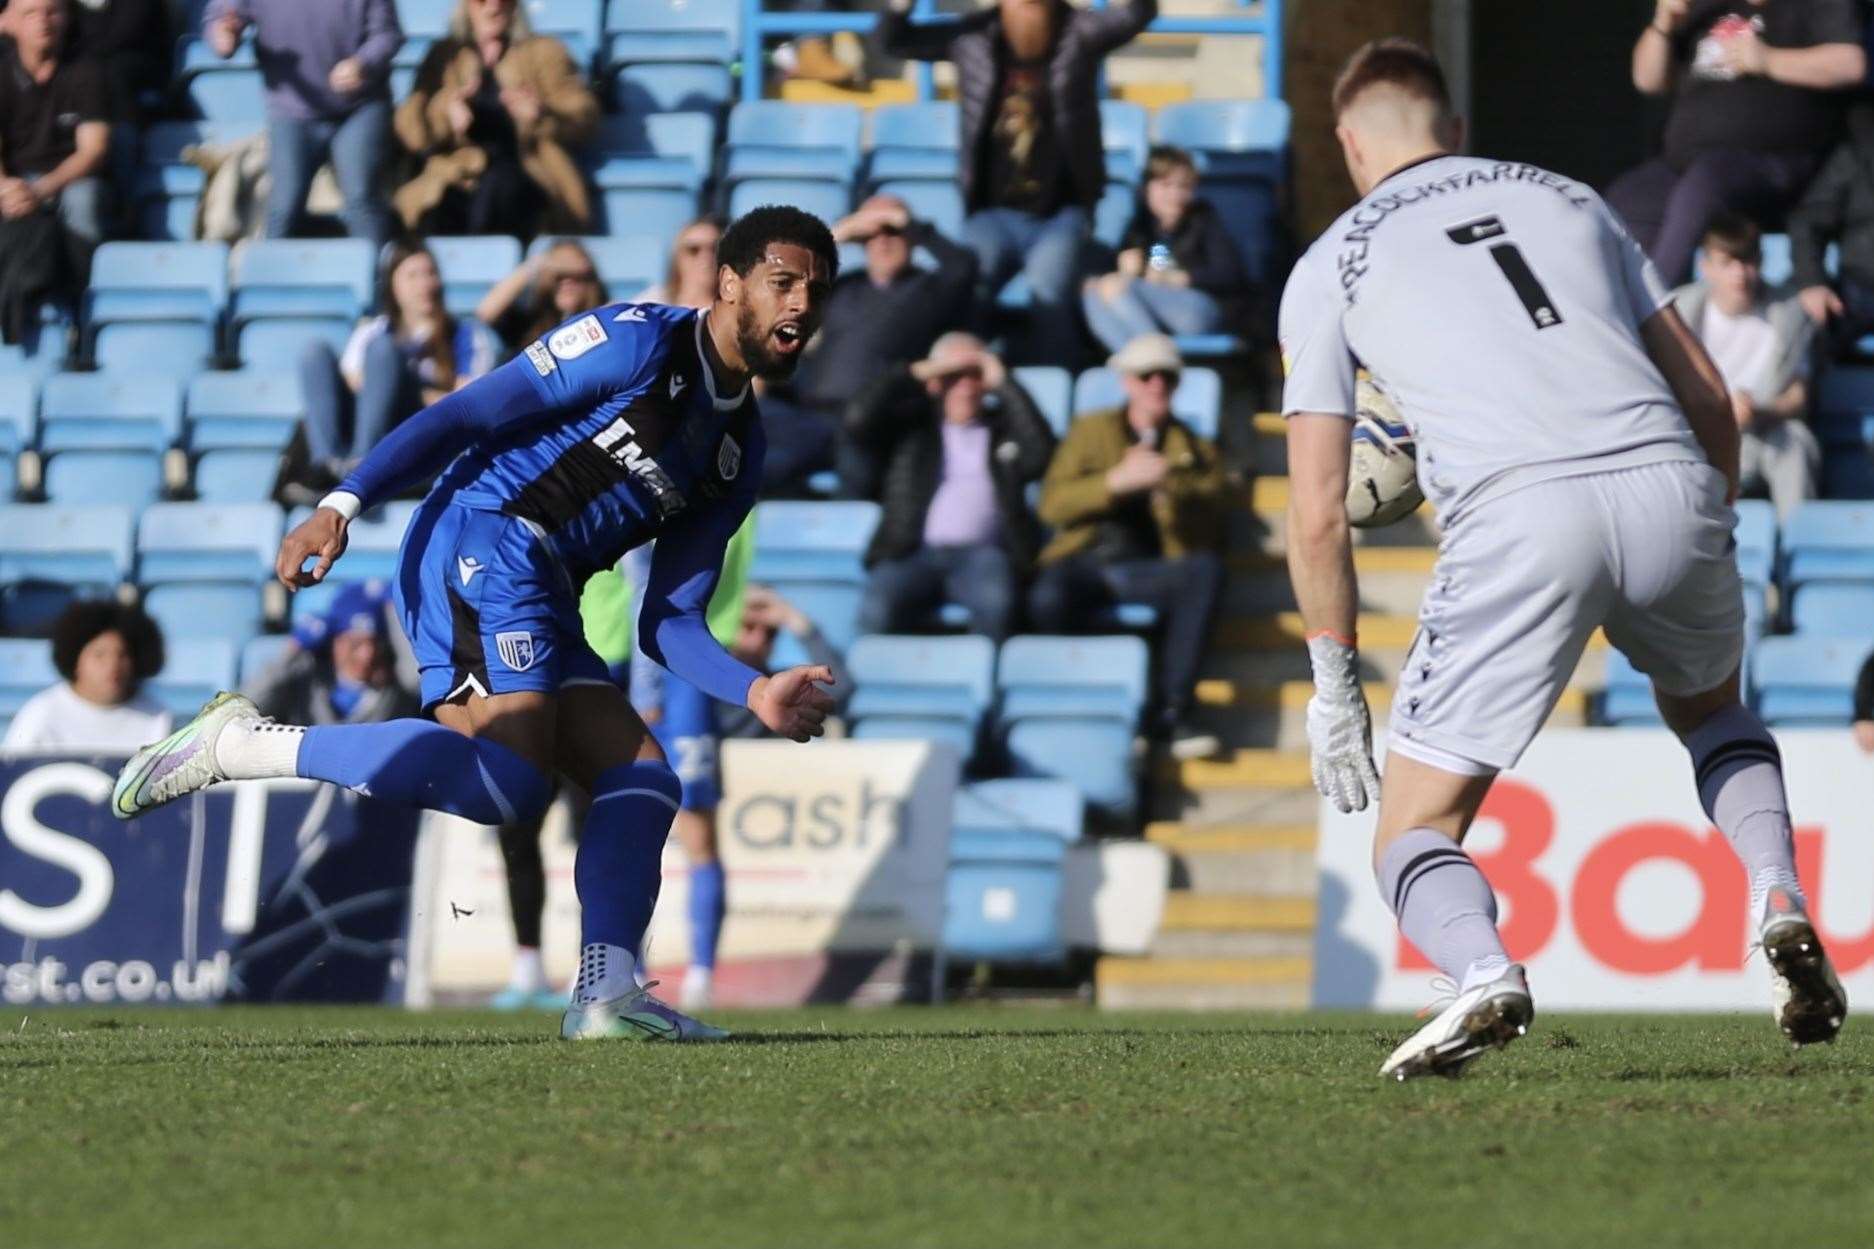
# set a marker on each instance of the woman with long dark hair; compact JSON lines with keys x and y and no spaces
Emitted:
{"x":554,"y":286}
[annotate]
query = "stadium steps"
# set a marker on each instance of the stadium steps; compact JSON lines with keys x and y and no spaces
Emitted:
{"x":1151,"y":983}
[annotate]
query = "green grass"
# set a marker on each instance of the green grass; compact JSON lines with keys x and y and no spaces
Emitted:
{"x":918,"y":1127}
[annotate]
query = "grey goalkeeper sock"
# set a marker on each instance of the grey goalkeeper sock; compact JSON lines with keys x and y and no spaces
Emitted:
{"x":1739,"y":772}
{"x":1445,"y":906}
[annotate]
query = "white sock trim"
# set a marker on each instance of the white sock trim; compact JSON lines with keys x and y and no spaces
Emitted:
{"x":605,"y":972}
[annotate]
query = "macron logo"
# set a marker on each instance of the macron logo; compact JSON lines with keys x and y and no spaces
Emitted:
{"x":676,"y":385}
{"x":468,"y":566}
{"x":633,"y":313}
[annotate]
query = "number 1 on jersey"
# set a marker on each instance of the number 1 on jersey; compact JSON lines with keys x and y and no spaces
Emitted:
{"x":1509,"y":258}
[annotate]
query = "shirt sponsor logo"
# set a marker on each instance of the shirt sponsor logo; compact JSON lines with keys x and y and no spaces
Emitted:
{"x":728,"y":458}
{"x":617,"y":441}
{"x":569,"y":342}
{"x":541,"y":358}
{"x":516,"y":650}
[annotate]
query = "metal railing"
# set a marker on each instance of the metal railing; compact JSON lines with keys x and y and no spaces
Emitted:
{"x":759,"y":26}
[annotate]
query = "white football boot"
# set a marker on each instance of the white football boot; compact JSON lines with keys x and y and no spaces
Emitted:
{"x":1487,"y":1017}
{"x":1806,"y":998}
{"x":181,"y":763}
{"x":636,"y":1016}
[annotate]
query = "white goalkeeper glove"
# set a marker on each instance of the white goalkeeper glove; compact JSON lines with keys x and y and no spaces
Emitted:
{"x":1340,"y":730}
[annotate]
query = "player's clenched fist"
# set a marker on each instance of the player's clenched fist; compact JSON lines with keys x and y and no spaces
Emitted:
{"x":321,"y":538}
{"x":791,"y":704}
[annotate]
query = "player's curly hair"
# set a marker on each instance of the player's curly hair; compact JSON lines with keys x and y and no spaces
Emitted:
{"x":749,"y":235}
{"x":85,"y":620}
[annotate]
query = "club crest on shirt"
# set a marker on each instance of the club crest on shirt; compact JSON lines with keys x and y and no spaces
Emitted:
{"x":516,"y":650}
{"x":728,"y":458}
{"x":569,"y":342}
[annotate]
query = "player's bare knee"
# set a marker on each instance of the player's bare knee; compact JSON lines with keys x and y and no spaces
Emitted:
{"x":1685,"y":712}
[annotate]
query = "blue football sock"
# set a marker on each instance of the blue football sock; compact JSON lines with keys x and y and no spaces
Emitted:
{"x":620,"y":864}
{"x":429,"y":766}
{"x":706,"y":904}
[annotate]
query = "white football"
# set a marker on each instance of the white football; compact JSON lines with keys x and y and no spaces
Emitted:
{"x":1382,"y":476}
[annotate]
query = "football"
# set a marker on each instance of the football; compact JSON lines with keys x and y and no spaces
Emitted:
{"x":1382,"y":476}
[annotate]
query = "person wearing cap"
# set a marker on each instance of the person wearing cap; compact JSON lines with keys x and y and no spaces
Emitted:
{"x":340,"y":667}
{"x":1136,"y":499}
{"x":955,"y":442}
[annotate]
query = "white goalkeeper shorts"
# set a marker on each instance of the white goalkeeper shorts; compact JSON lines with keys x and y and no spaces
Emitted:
{"x":1522,"y":582}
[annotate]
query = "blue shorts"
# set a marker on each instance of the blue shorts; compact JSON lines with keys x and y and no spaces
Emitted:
{"x":487,"y":609}
{"x":687,"y":732}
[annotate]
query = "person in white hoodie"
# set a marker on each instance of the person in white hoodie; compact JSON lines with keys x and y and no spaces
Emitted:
{"x":104,"y":651}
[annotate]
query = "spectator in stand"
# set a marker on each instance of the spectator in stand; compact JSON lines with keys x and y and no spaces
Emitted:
{"x":340,"y":668}
{"x":1032,"y":168}
{"x":543,"y":291}
{"x":1136,"y":499}
{"x":690,"y":279}
{"x":1179,"y":271}
{"x":130,"y":41}
{"x":104,"y":651}
{"x":1755,"y":105}
{"x":54,"y":136}
{"x":958,"y":442}
{"x":408,"y":356}
{"x":1839,"y":208}
{"x":876,"y":320}
{"x":493,"y":117}
{"x":326,"y":66}
{"x":1763,"y":348}
{"x":765,"y":616}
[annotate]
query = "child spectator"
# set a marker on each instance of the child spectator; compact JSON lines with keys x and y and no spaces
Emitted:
{"x":552,"y":287}
{"x":1179,"y":272}
{"x":104,"y":651}
{"x":492,"y":117}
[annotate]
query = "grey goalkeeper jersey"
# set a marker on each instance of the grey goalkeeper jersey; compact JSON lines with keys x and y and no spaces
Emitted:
{"x":1499,"y":306}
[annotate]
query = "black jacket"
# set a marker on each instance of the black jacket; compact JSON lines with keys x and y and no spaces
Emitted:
{"x":1838,"y":207}
{"x":1202,"y":248}
{"x":899,"y":429}
{"x":974,"y":44}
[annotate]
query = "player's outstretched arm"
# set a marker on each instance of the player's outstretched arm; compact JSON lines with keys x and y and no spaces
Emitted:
{"x":1698,"y":386}
{"x":1320,"y":565}
{"x":791,"y":702}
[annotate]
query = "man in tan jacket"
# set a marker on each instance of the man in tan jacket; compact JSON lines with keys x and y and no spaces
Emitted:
{"x":1136,"y":499}
{"x":492,"y":115}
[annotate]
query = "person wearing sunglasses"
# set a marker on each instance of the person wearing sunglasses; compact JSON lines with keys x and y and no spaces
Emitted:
{"x":1136,"y":499}
{"x":690,"y":279}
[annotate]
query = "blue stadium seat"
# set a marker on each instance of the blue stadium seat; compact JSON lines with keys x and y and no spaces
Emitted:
{"x":1052,"y":389}
{"x":374,"y":540}
{"x":185,"y":282}
{"x":277,"y":344}
{"x":1217,"y":130}
{"x":1123,"y":134}
{"x":410,"y":53}
{"x":194,"y":673}
{"x":1844,"y":400}
{"x":1003,"y":889}
{"x":109,"y":412}
{"x":1114,"y":212}
{"x":1252,"y":214}
{"x":1627,"y":701}
{"x":184,"y":542}
{"x":236,"y":475}
{"x":680,"y":87}
{"x":914,"y":141}
{"x":659,"y":212}
{"x":246,"y":408}
{"x":828,"y":201}
{"x":1806,"y":680}
{"x":577,"y":22}
{"x":298,"y":278}
{"x":626,"y":264}
{"x":191,"y":613}
{"x":261,"y":653}
{"x":44,"y":547}
{"x":673,"y":30}
{"x":19,"y":412}
{"x":85,"y":478}
{"x":232,"y":94}
{"x":1198,"y":401}
{"x":1827,"y":610}
{"x":1024,"y":807}
{"x":669,"y":150}
{"x":470,"y":264}
{"x":776,"y":139}
{"x":939,"y":203}
{"x":25,"y":669}
{"x":1777,"y":265}
{"x":1825,"y":540}
{"x":428,"y":18}
{"x":935,"y":688}
{"x":174,"y":348}
{"x":1756,"y":542}
{"x":1069,"y":708}
{"x":813,"y":554}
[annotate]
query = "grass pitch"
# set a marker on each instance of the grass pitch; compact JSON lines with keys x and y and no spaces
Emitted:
{"x":982,"y":1127}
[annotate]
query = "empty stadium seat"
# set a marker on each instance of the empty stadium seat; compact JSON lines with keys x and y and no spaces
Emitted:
{"x":372,"y":540}
{"x":1776,"y":266}
{"x":261,"y":653}
{"x":243,"y":408}
{"x":1003,"y":889}
{"x":121,"y":411}
{"x":428,"y":18}
{"x":1223,"y":133}
{"x":776,"y":139}
{"x":1069,"y":706}
{"x":25,"y":669}
{"x":186,"y":542}
{"x":470,"y":264}
{"x":192,"y":613}
{"x":302,"y":278}
{"x":1113,"y":213}
{"x":194,"y":673}
{"x":626,"y":264}
{"x":574,"y":22}
{"x":1756,"y":542}
{"x":1627,"y":700}
{"x":1052,"y":389}
{"x":828,"y":201}
{"x":178,"y":349}
{"x":914,"y":141}
{"x":659,"y":212}
{"x":1018,"y":807}
{"x":1825,"y":540}
{"x":673,"y":30}
{"x":668,"y":150}
{"x":236,"y":475}
{"x":939,"y":203}
{"x":19,"y":420}
{"x":674,"y":88}
{"x":83,"y":478}
{"x":49,"y":554}
{"x":1806,"y":680}
{"x":813,"y":553}
{"x":231,"y":94}
{"x":1829,"y":610}
{"x":1123,"y":134}
{"x":1198,"y":401}
{"x":934,"y":688}
{"x":181,"y":282}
